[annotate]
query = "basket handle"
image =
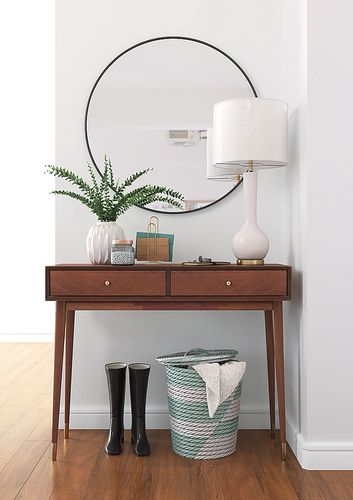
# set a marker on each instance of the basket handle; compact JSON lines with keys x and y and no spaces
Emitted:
{"x":196,"y":350}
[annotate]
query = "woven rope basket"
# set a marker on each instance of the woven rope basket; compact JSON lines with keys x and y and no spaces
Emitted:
{"x":194,"y":433}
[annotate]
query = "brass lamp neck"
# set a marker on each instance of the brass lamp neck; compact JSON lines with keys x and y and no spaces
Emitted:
{"x":250,"y":166}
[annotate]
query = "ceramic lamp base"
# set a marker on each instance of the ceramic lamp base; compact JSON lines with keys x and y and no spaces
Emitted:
{"x":250,"y":244}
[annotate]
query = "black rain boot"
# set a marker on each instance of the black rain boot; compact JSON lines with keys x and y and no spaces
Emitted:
{"x":138,"y":374}
{"x":116,"y":376}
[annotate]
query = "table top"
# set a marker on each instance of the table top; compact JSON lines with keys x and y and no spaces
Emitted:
{"x":165,"y":265}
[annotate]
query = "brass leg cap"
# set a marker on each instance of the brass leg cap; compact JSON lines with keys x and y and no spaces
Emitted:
{"x":53,"y":451}
{"x":283,"y":451}
{"x":66,"y":431}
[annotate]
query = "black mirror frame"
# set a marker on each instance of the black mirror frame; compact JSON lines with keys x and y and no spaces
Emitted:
{"x":134,"y":47}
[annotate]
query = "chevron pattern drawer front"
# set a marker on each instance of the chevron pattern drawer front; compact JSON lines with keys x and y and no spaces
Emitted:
{"x":107,"y":283}
{"x":245,"y":283}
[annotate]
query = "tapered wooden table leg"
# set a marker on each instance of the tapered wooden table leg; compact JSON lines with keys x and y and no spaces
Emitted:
{"x":270,"y":369}
{"x":58,"y":365}
{"x":279,"y":358}
{"x":69,"y":336}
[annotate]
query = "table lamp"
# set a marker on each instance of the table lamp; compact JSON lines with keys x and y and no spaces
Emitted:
{"x":249,"y":134}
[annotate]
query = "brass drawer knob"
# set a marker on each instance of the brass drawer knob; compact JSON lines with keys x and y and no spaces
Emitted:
{"x":228,"y":282}
{"x":107,"y":282}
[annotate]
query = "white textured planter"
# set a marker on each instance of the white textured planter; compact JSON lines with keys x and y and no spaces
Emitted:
{"x":250,"y":242}
{"x":99,"y":241}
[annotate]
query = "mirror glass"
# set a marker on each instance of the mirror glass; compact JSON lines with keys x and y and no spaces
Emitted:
{"x":151,"y":108}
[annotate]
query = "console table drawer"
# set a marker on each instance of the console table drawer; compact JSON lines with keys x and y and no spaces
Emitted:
{"x":107,"y":283}
{"x":229,"y":283}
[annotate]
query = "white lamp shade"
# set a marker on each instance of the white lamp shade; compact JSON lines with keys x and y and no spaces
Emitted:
{"x":252,"y":129}
{"x":219,"y":173}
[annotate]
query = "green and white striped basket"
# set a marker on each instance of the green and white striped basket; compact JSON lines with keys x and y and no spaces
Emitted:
{"x":194,"y":433}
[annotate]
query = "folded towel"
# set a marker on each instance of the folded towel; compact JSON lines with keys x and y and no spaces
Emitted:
{"x":221,"y":381}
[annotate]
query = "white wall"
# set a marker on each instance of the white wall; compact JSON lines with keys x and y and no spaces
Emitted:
{"x":89,"y":35}
{"x":294,"y":45}
{"x":326,"y":439}
{"x":27,"y":144}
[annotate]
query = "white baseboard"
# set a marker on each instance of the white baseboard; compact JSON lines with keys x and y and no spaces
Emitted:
{"x":324,"y":456}
{"x":157,"y":418}
{"x":27,"y":337}
{"x":320,"y":455}
{"x":100,"y":420}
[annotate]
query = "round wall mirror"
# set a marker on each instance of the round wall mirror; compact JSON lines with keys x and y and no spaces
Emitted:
{"x":151,"y":108}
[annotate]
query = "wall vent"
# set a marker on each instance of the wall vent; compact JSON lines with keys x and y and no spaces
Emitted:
{"x":186,"y":137}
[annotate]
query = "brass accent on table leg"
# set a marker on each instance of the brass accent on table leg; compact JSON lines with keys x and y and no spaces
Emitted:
{"x":66,"y":431}
{"x":250,"y":262}
{"x":273,"y":432}
{"x":283,"y":451}
{"x":53,"y":451}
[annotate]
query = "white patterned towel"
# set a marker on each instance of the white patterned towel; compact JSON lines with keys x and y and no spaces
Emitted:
{"x":221,"y":381}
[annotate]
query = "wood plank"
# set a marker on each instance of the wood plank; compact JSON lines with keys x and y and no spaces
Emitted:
{"x":232,"y":477}
{"x":18,"y":469}
{"x":12,"y":440}
{"x":171,"y":475}
{"x":42,"y":430}
{"x":272,"y":476}
{"x":12,"y":373}
{"x":110,"y":476}
{"x":77,"y":471}
{"x":333,"y":484}
{"x":46,"y":474}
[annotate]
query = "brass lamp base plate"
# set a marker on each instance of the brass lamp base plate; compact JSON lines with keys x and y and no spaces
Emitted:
{"x":250,"y":262}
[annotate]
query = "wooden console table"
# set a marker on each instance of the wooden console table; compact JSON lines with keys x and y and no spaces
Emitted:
{"x":171,"y":287}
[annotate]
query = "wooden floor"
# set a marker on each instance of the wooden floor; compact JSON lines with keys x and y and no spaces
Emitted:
{"x":84,"y":471}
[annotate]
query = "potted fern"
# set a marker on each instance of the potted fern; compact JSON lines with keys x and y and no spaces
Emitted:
{"x":108,"y":198}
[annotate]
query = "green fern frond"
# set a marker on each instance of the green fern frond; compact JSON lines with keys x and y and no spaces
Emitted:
{"x":111,"y":175}
{"x":93,"y":177}
{"x":70,"y":176}
{"x":130,"y":180}
{"x":75,"y":196}
{"x":107,"y":199}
